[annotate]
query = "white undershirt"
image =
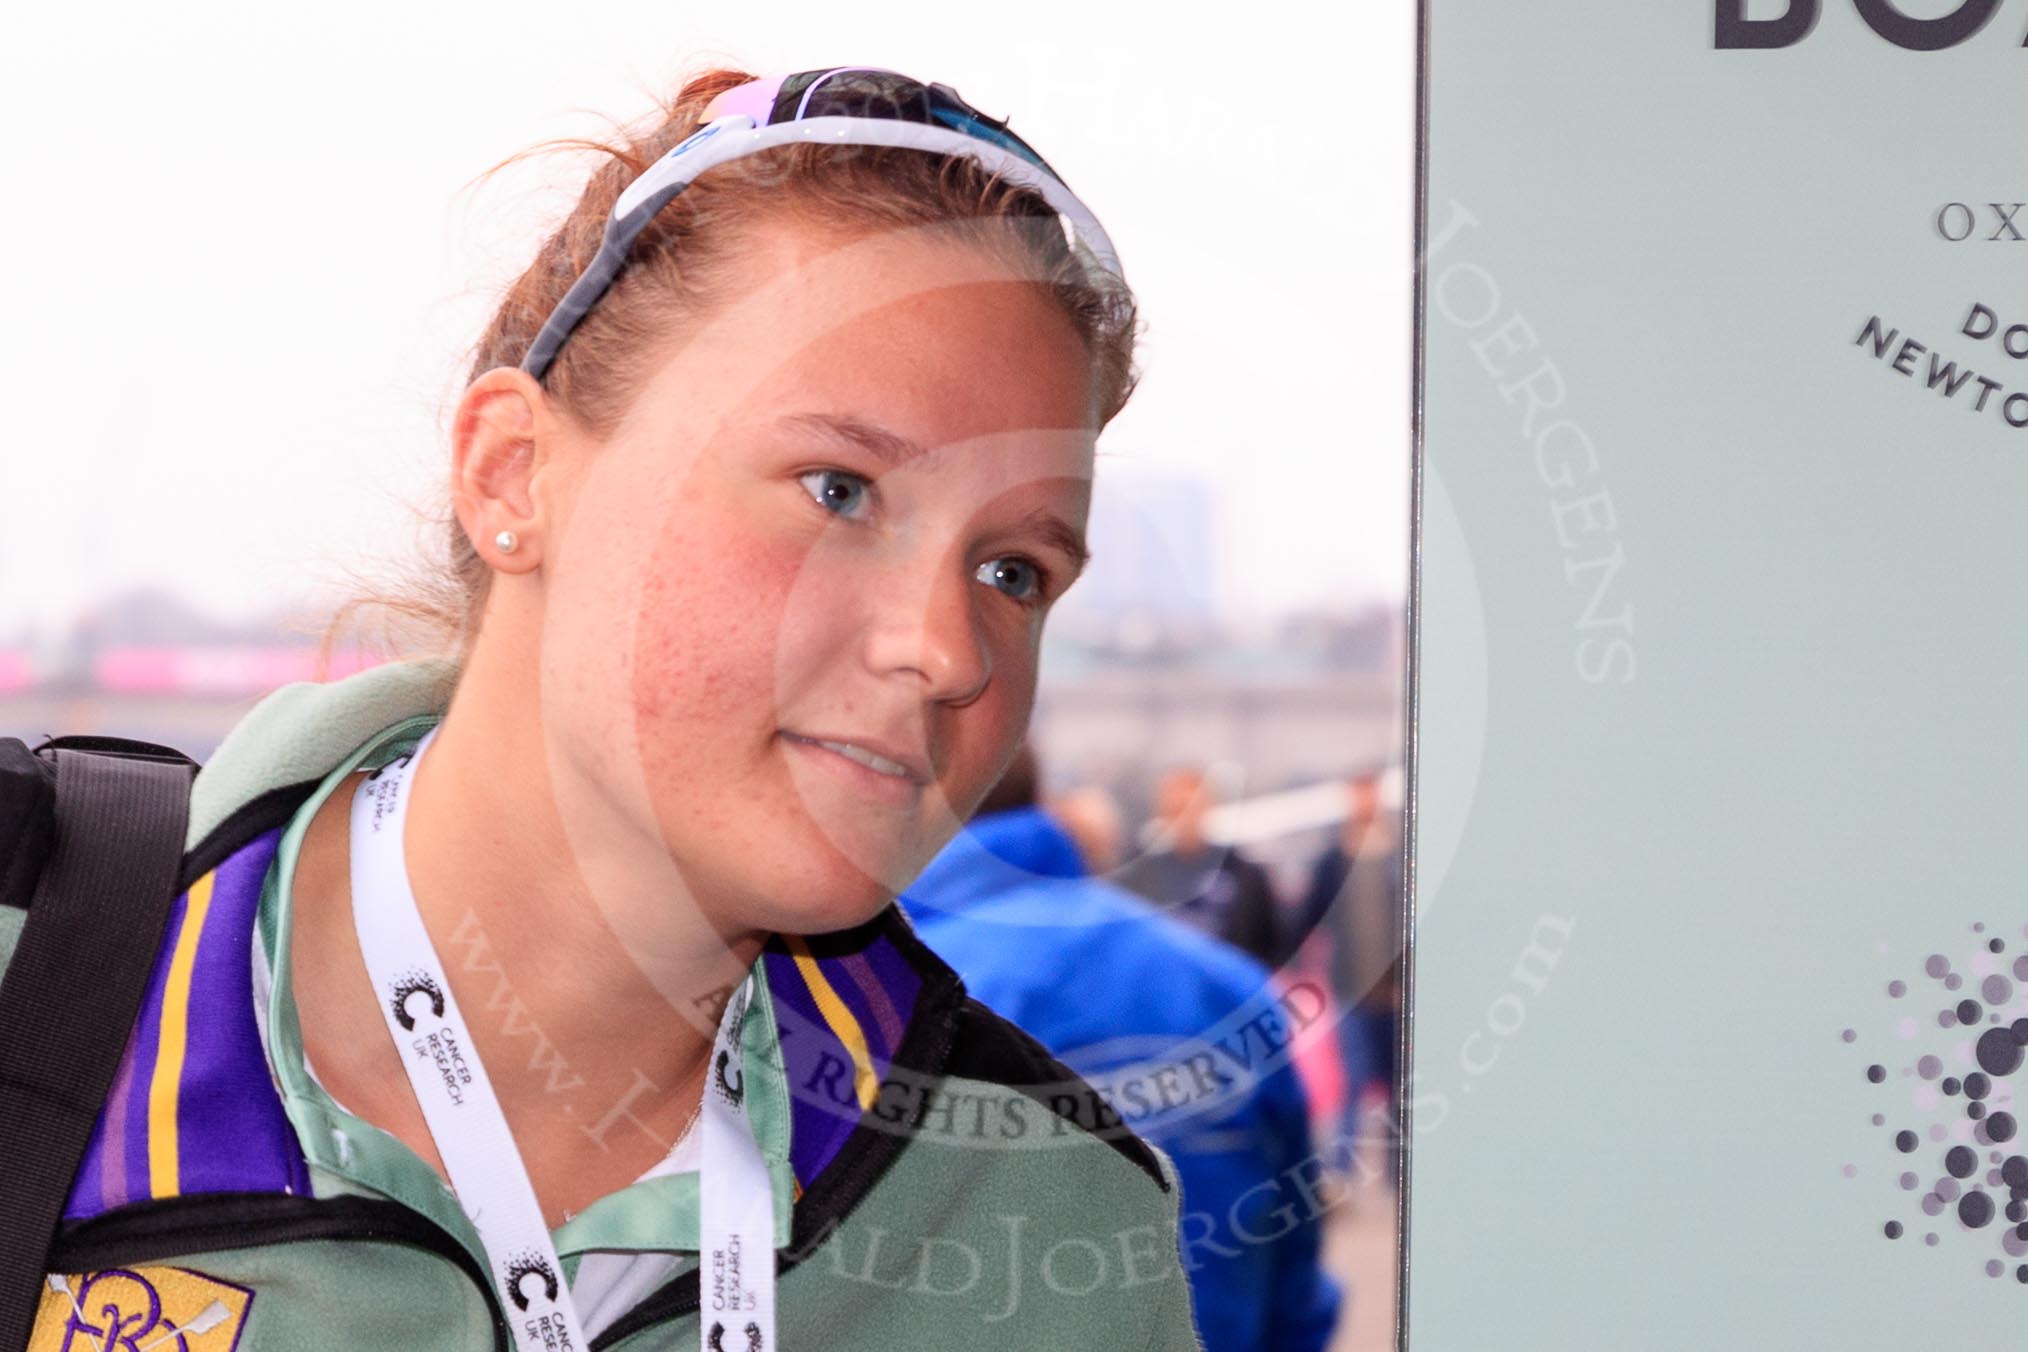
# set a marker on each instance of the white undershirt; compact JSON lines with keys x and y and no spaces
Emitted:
{"x":611,"y":1282}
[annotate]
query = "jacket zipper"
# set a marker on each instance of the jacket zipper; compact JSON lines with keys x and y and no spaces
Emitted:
{"x":848,"y":1179}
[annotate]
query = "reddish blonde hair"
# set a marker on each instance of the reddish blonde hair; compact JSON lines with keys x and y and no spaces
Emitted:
{"x":679,"y":264}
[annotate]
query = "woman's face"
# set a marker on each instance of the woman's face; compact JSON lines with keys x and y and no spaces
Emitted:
{"x":837,"y":512}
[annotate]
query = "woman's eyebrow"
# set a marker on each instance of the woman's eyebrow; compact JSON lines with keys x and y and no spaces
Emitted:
{"x":1057,"y":531}
{"x":889,"y":448}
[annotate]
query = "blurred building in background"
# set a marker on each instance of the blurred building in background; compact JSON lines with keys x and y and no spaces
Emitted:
{"x":147,"y":664}
{"x":1154,"y":548}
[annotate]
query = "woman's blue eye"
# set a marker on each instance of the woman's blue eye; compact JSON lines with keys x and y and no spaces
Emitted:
{"x":841,"y":493}
{"x":1027,"y":578}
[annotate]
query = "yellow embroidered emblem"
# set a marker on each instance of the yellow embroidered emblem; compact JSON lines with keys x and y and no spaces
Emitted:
{"x":169,"y":1309}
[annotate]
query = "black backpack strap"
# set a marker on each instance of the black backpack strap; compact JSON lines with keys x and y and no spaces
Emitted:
{"x":70,"y":995}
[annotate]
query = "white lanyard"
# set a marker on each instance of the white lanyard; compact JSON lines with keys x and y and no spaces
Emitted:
{"x":736,"y":1263}
{"x":736,"y":1221}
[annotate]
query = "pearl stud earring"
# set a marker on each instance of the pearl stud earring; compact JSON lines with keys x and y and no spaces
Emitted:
{"x":505,"y":542}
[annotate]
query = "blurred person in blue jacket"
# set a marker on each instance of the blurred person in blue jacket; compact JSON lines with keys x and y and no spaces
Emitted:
{"x":1187,"y":1037}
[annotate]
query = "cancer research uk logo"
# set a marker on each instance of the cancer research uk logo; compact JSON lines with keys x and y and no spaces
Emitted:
{"x":715,"y":1340}
{"x":410,"y":984}
{"x":729,"y":1294}
{"x":438,"y":1045}
{"x":731,"y":1079}
{"x":1948,"y":1115}
{"x":523,"y":1266}
{"x":536,"y":1299}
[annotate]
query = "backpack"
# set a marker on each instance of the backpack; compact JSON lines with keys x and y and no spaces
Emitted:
{"x":91,"y":842}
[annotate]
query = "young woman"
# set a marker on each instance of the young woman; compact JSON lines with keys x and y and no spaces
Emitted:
{"x":551,"y":993}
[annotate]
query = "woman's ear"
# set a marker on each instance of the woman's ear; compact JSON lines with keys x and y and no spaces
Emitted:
{"x":496,"y":449}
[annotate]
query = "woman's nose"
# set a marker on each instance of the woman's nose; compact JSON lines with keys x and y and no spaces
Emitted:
{"x":927,"y":624}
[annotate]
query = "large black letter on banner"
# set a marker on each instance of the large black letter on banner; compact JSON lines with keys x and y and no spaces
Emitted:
{"x":1736,"y":30}
{"x":1926,"y":35}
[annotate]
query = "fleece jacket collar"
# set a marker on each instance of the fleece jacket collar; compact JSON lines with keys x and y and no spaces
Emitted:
{"x":298,"y":734}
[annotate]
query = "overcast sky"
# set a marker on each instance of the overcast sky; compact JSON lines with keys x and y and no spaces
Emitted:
{"x":243,"y":260}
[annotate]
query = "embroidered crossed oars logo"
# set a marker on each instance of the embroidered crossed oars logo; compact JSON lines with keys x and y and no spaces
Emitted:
{"x":130,"y":1327}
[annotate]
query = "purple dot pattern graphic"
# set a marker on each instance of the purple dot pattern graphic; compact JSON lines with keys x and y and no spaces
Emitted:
{"x":1948,"y":1120}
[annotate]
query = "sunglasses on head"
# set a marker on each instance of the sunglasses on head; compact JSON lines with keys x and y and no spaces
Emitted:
{"x":842,"y":105}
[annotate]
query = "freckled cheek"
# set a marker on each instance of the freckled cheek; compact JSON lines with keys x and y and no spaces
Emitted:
{"x":708,"y":629}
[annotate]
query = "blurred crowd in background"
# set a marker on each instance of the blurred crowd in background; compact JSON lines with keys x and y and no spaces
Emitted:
{"x":1250,"y":1033}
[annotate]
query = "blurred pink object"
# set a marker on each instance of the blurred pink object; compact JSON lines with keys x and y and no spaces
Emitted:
{"x":1315,"y":1049}
{"x":16,"y":672}
{"x":241,"y":670}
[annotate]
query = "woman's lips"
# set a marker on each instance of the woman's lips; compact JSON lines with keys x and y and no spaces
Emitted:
{"x":876,"y":784}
